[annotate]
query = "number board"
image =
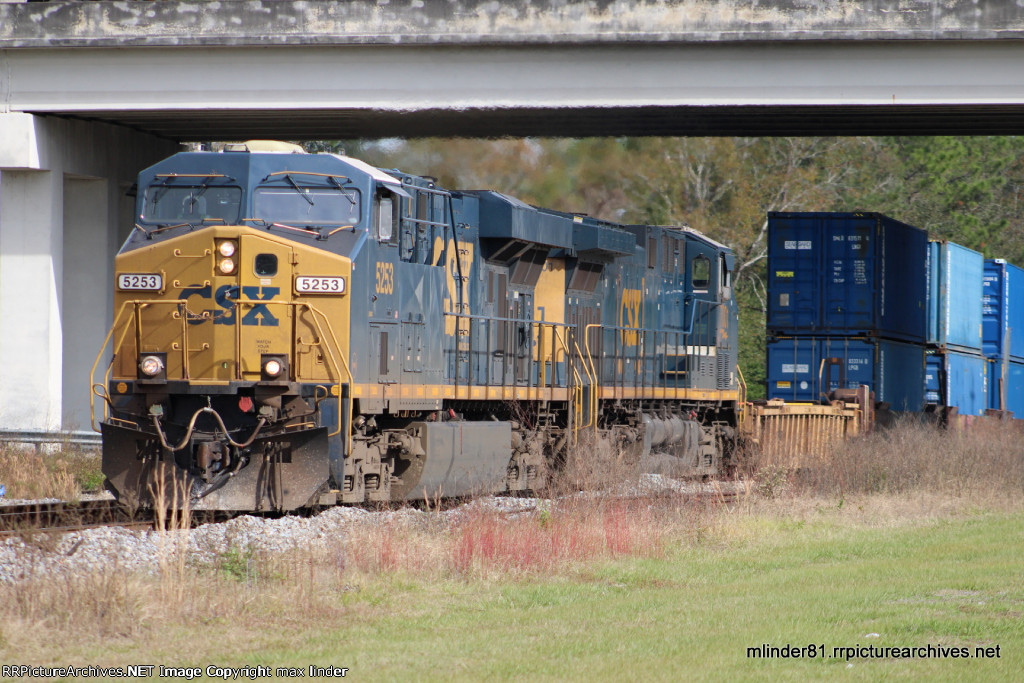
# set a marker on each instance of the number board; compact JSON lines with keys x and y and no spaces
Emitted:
{"x":319,"y":284}
{"x":149,"y":282}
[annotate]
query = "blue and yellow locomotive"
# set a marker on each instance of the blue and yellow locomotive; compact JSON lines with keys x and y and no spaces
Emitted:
{"x":299,"y":329}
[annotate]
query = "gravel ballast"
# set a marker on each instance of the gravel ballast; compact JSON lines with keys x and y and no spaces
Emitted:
{"x":113,"y":547}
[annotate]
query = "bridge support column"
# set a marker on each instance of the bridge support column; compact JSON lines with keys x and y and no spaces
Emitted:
{"x":63,"y":214}
{"x":31,"y":222}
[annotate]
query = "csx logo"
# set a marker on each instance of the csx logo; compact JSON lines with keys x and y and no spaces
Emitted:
{"x":385,"y":278}
{"x":226,"y":297}
{"x":630,"y":314}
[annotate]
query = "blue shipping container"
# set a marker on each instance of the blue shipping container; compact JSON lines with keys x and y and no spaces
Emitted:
{"x":1011,"y":376}
{"x":954,"y":296}
{"x":806,"y":369}
{"x":960,"y":380}
{"x":846,"y":273}
{"x":1003,"y":310}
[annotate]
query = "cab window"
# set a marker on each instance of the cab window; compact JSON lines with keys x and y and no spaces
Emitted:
{"x":303,"y":205}
{"x":700,"y":273}
{"x":167,"y":205}
{"x":386,"y":218}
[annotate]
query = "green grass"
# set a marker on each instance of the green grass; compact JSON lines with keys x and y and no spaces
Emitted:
{"x":694,"y":613}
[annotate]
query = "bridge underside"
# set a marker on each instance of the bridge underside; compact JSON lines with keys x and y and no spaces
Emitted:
{"x":765,"y":120}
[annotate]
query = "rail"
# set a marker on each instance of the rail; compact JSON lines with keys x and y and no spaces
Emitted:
{"x":577,"y":389}
{"x":645,"y":357}
{"x":522,"y":352}
{"x":742,"y":414}
{"x":517,"y":352}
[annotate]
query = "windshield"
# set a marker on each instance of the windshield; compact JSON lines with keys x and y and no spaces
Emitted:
{"x":307,"y":205}
{"x":169,"y":205}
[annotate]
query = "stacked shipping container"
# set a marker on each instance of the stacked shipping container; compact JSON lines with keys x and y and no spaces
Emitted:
{"x":846,"y":307}
{"x":956,"y":371}
{"x":860,"y":298}
{"x":1003,"y":335}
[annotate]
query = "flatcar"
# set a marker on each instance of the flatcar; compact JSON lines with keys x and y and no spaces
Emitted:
{"x":294,"y":330}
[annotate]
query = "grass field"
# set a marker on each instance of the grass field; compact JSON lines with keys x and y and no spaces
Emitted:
{"x":798,"y":575}
{"x":901,"y":554}
{"x":694,"y":612}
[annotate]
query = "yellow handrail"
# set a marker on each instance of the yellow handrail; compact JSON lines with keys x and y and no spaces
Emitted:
{"x":348,"y":372}
{"x":593,"y":388}
{"x":577,"y":390}
{"x":134,"y":303}
{"x":743,"y":396}
{"x":334,"y":368}
{"x":590,"y":359}
{"x":92,"y":374}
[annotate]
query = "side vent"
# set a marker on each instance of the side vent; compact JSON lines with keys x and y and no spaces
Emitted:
{"x":722,"y":368}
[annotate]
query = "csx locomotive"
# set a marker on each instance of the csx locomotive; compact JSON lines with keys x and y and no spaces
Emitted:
{"x":293,"y":330}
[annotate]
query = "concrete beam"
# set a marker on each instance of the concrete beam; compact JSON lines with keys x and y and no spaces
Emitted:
{"x":418,"y":78}
{"x":310,"y":69}
{"x":462,"y":22}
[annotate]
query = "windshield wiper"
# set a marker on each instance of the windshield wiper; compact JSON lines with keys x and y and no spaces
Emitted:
{"x":166,"y":178}
{"x":298,"y":189}
{"x":193,"y":198}
{"x":334,"y":181}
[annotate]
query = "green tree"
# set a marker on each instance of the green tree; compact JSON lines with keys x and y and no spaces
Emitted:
{"x":964,"y":189}
{"x":725,"y":187}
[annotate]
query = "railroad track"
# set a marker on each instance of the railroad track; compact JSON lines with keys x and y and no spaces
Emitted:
{"x":65,"y":516}
{"x":21,"y":519}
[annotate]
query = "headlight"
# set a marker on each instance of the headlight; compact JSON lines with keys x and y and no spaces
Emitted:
{"x":226,"y":266}
{"x":272,"y":368}
{"x":151,"y":366}
{"x":226,"y":248}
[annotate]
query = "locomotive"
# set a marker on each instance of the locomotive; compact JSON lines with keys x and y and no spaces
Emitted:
{"x":294,"y":330}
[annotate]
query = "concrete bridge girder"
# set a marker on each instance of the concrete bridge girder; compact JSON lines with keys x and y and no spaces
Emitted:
{"x":377,"y":91}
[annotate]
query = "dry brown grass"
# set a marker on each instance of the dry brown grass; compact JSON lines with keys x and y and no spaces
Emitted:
{"x":595,"y":463}
{"x":28,"y":474}
{"x":983,"y":461}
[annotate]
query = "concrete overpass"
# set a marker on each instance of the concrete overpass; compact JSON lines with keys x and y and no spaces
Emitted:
{"x":92,"y":91}
{"x":229,"y":69}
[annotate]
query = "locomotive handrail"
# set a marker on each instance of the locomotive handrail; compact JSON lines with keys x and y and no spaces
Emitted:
{"x":577,"y":389}
{"x":474,"y":316}
{"x":641,"y":342}
{"x":182,"y":304}
{"x":574,"y":383}
{"x":554,"y":353}
{"x":134,"y":303}
{"x":533,"y":323}
{"x":92,"y":375}
{"x":592,"y":378}
{"x":741,"y":418}
{"x":348,"y":426}
{"x":590,"y":359}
